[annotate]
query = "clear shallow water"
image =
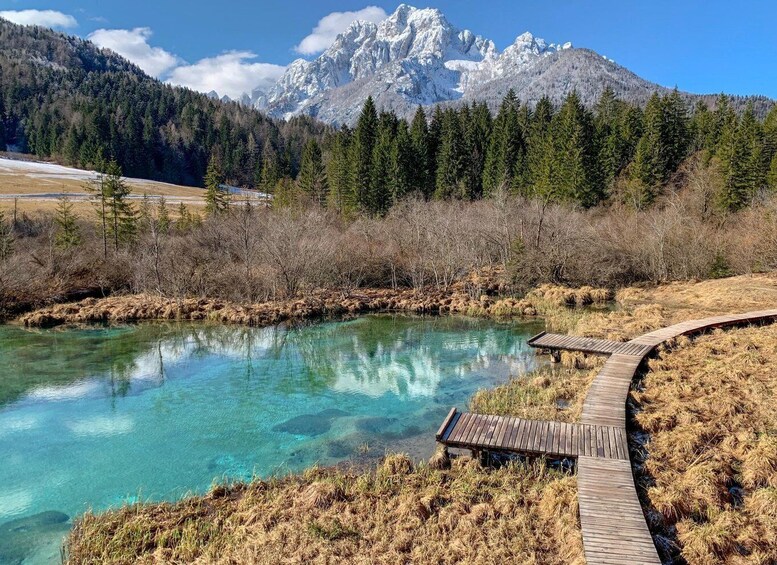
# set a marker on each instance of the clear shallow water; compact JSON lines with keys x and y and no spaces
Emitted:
{"x":98,"y":417}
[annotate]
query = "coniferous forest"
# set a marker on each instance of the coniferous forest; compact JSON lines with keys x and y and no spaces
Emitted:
{"x":62,"y":98}
{"x":569,"y":154}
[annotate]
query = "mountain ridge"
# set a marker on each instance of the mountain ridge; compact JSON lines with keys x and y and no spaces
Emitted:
{"x":416,"y":57}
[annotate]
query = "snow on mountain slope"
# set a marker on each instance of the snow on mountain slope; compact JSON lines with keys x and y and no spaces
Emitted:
{"x":415,"y":56}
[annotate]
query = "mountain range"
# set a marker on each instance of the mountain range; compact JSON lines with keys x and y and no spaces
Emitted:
{"x":417,"y":57}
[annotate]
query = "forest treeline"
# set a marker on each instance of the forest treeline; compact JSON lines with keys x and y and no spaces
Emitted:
{"x":613,"y":152}
{"x":63,"y":98}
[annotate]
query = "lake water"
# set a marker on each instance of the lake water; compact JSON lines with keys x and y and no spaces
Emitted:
{"x":99,"y":417}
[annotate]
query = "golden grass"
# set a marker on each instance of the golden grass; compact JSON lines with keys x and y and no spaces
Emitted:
{"x":400,"y":513}
{"x":552,"y":393}
{"x":709,"y":406}
{"x":17,"y":182}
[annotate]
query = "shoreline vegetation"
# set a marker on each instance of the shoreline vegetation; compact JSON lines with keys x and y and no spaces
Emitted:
{"x":479,"y":295}
{"x":453,"y":509}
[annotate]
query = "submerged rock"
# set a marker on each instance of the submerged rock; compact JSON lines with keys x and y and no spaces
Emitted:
{"x":21,"y":538}
{"x":310,"y":424}
{"x":376,"y":424}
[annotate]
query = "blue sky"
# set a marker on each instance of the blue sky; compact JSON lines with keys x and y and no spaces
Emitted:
{"x":702,"y":47}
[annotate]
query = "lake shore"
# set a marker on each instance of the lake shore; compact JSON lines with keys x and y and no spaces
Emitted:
{"x":468,"y":512}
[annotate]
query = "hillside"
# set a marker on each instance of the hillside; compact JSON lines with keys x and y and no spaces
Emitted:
{"x":62,"y":97}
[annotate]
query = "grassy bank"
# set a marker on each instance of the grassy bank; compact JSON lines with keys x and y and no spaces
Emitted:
{"x":399,"y":513}
{"x":710,"y":467}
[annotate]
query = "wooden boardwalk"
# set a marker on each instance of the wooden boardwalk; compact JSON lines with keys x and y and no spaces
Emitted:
{"x":532,"y":437}
{"x":556,"y":342}
{"x":611,"y":518}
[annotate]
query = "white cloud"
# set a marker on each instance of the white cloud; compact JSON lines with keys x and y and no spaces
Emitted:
{"x":133,"y":44}
{"x":45,"y":18}
{"x":330,"y":26}
{"x":230,"y":73}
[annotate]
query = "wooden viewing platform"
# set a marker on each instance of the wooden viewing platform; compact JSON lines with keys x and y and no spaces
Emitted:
{"x":532,"y":437}
{"x":594,"y":346}
{"x":611,"y":518}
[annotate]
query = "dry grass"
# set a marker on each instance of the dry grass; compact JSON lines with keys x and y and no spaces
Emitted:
{"x":34,"y":185}
{"x":554,"y":393}
{"x":709,"y":407}
{"x":400,"y":513}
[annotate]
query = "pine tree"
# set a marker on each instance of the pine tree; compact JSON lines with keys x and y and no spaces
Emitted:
{"x":163,"y":216}
{"x":6,"y":238}
{"x":540,"y":149}
{"x":734,"y":156}
{"x":270,"y":170}
{"x":340,"y":173}
{"x":365,"y":136}
{"x":401,"y":173}
{"x":216,"y":199}
{"x":419,"y":135}
{"x":68,"y":231}
{"x":379,"y":196}
{"x":184,"y":221}
{"x":576,"y":154}
{"x":649,"y":166}
{"x":675,"y":131}
{"x":771,"y":178}
{"x":450,"y":158}
{"x":97,"y":186}
{"x":770,"y":134}
{"x":312,"y":179}
{"x":477,"y":124}
{"x":122,"y":217}
{"x":506,"y":150}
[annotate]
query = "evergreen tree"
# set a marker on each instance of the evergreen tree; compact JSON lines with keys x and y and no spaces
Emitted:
{"x":576,"y":154}
{"x":68,"y":231}
{"x":312,"y":179}
{"x":6,"y":238}
{"x":771,"y":178}
{"x":184,"y":221}
{"x":540,"y":150}
{"x":216,"y":198}
{"x":505,"y":158}
{"x":163,"y":216}
{"x":270,"y":169}
{"x":675,"y":131}
{"x":649,"y":166}
{"x":419,"y":135}
{"x":402,"y":174}
{"x":477,"y":125}
{"x":97,"y":186}
{"x":450,"y":158}
{"x":340,"y":173}
{"x":379,"y":195}
{"x":121,"y":214}
{"x":365,"y":136}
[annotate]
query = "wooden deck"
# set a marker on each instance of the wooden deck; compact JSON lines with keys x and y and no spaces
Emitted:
{"x":611,"y":518}
{"x":556,"y":342}
{"x":532,"y":437}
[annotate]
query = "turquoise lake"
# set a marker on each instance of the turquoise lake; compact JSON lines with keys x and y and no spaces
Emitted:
{"x":94,"y":418}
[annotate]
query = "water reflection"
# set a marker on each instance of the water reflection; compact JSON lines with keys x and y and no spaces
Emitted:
{"x":96,"y":417}
{"x":359,"y":356}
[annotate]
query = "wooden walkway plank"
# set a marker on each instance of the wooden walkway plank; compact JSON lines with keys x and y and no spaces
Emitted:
{"x":613,"y":525}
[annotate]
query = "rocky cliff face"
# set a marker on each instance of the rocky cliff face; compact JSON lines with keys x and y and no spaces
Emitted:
{"x":414,"y":57}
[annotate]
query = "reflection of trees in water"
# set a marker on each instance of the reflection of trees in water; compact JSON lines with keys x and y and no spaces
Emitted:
{"x":380,"y":354}
{"x":370,"y":355}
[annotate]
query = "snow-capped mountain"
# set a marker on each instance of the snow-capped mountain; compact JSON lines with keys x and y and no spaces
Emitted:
{"x":417,"y":57}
